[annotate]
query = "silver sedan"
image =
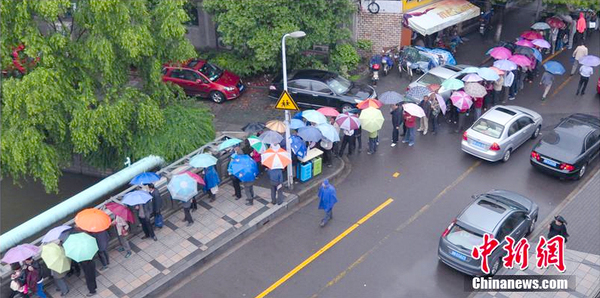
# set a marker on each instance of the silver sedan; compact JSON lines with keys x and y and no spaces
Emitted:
{"x":500,"y":131}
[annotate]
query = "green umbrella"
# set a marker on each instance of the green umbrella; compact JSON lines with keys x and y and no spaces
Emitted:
{"x":255,"y":143}
{"x":371,"y":119}
{"x":54,"y":258}
{"x":453,"y":84}
{"x":80,"y":247}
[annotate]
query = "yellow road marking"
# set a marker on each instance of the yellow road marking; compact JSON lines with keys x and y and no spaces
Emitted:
{"x":552,"y":56}
{"x":396,"y":175}
{"x":558,"y":89}
{"x":399,"y":228}
{"x":324,"y":249}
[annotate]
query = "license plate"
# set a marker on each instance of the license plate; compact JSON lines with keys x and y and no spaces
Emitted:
{"x":550,"y":162}
{"x":458,"y":255}
{"x":242,"y":88}
{"x":479,"y":144}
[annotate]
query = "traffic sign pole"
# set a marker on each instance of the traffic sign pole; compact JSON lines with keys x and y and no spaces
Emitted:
{"x":288,"y":147}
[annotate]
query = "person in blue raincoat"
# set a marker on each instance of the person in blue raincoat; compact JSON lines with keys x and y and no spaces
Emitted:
{"x":212,"y":180}
{"x":327,"y":198}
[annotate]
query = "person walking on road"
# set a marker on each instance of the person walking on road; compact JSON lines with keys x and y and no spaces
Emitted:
{"x":327,"y":198}
{"x":235,"y":180}
{"x":122,"y":228}
{"x":347,"y":140}
{"x":276,"y":179}
{"x":584,"y":76}
{"x":424,"y":121}
{"x":396,"y":122}
{"x":157,"y":203}
{"x":409,"y":122}
{"x":89,"y":271}
{"x":558,"y":227}
{"x":102,"y":238}
{"x":579,"y":52}
{"x":547,"y":80}
{"x":212,"y":180}
{"x":144,"y":211}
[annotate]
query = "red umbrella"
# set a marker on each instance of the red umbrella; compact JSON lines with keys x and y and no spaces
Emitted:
{"x":370,"y":102}
{"x":555,"y":23}
{"x":520,"y":60}
{"x":195,"y":177}
{"x":121,"y":211}
{"x":531,"y":35}
{"x":328,"y":112}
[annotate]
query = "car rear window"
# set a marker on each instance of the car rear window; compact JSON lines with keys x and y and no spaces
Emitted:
{"x":428,"y":79}
{"x":565,"y":141}
{"x":488,"y":128}
{"x":491,"y":206}
{"x":464,"y":238}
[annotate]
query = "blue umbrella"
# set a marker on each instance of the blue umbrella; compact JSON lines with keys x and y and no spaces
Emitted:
{"x":182,"y":187}
{"x":310,"y":134}
{"x":298,"y":146}
{"x":329,"y":132}
{"x":203,"y":160}
{"x":537,"y":54}
{"x":136,"y":197}
{"x":229,"y":143}
{"x":270,"y":137}
{"x":554,"y":67}
{"x":488,"y":74}
{"x":244,"y":168}
{"x":298,"y":116}
{"x":144,"y":178}
{"x":471,"y":69}
{"x":589,"y":60}
{"x":296,"y":123}
{"x":314,"y":116}
{"x":505,"y":65}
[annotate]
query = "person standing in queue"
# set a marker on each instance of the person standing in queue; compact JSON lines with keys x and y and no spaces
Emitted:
{"x":211,"y":177}
{"x":89,"y":271}
{"x":237,"y":150}
{"x":409,"y":122}
{"x":144,"y":211}
{"x":396,"y":122}
{"x":276,"y":180}
{"x":157,"y":204}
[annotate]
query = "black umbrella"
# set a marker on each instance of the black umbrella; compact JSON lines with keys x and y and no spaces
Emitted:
{"x":524,"y":51}
{"x":254,"y":127}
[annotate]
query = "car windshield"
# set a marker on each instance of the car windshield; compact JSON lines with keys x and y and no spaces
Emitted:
{"x":339,"y":85}
{"x":488,"y":128}
{"x":461,"y":237}
{"x":428,"y":79}
{"x":211,"y":71}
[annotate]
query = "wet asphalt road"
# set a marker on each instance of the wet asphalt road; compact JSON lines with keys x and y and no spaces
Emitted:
{"x":394,"y":253}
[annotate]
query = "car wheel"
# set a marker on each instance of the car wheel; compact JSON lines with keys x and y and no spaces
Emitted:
{"x":495,"y":267}
{"x":346,"y":107}
{"x":506,"y":156}
{"x":581,"y":171}
{"x":217,"y":97}
{"x":536,"y":133}
{"x":532,"y":226}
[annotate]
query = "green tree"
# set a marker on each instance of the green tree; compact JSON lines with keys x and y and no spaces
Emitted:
{"x":254,"y":27}
{"x":96,"y":89}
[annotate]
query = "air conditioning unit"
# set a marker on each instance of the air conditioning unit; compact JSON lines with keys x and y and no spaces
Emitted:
{"x":222,"y":45}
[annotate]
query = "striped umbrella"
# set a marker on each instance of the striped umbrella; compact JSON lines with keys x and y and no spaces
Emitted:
{"x":369,"y":103}
{"x":347,"y":121}
{"x":461,"y":100}
{"x":257,"y":144}
{"x":275,"y":159}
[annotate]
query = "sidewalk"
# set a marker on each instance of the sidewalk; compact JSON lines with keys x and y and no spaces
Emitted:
{"x":582,"y":256}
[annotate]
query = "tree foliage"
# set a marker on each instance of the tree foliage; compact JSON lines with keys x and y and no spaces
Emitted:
{"x":255,"y":27}
{"x":96,"y":89}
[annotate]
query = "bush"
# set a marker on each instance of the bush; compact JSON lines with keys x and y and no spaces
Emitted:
{"x":364,"y":45}
{"x":344,"y":58}
{"x":308,"y":61}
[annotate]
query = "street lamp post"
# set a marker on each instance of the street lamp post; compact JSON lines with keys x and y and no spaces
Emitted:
{"x":288,"y":147}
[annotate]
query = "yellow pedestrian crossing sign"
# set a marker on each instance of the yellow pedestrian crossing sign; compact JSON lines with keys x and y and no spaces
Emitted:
{"x":285,"y":102}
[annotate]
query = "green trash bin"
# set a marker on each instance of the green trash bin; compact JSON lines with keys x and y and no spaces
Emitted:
{"x":317,"y":166}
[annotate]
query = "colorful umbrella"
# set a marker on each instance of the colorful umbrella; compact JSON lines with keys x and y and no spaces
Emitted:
{"x":391,"y":97}
{"x":314,"y":116}
{"x":442,"y":103}
{"x":475,"y":90}
{"x":254,"y":127}
{"x":472,"y":69}
{"x":531,"y":35}
{"x":296,"y":123}
{"x":92,"y":220}
{"x":453,"y":84}
{"x":55,"y":259}
{"x":371,"y":119}
{"x":80,"y":247}
{"x":347,"y":121}
{"x":329,"y":132}
{"x":554,"y":67}
{"x":525,"y":43}
{"x":144,"y":178}
{"x":244,"y":168}
{"x":271,"y":137}
{"x":20,"y":253}
{"x":310,"y":134}
{"x":542,"y":43}
{"x":589,"y":60}
{"x":418,"y":92}
{"x":54,"y":233}
{"x":488,"y":74}
{"x":329,"y":112}
{"x":461,"y":100}
{"x":414,"y":110}
{"x":120,"y":211}
{"x":182,"y":187}
{"x":521,"y":60}
{"x":555,"y":22}
{"x":136,"y":197}
{"x":203,"y":160}
{"x":505,"y":65}
{"x":257,"y":144}
{"x":276,"y":125}
{"x":499,"y":53}
{"x":497,"y":70}
{"x":298,"y":146}
{"x":275,"y":159}
{"x":434,"y":87}
{"x":369,"y":103}
{"x":472,"y":77}
{"x":540,"y":26}
{"x":196,"y":177}
{"x":229,"y":143}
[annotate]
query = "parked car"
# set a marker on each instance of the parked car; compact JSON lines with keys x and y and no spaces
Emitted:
{"x":201,"y":78}
{"x":500,"y":131}
{"x":439,"y":74}
{"x":598,"y":86}
{"x":499,"y":213}
{"x":313,"y":89}
{"x":567,"y":150}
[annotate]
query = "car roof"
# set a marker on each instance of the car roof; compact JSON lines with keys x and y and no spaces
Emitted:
{"x":502,"y":114}
{"x":590,"y":120}
{"x":574,"y":127}
{"x":444,"y":71}
{"x":483,"y":218}
{"x":312,"y":74}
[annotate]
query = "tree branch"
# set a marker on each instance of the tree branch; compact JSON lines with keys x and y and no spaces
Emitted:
{"x":80,"y":34}
{"x":62,"y":25}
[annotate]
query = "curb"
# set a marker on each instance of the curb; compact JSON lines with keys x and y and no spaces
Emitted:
{"x":302,"y":197}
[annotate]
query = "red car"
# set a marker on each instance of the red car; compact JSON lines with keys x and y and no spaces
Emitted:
{"x":200,"y":78}
{"x":598,"y":86}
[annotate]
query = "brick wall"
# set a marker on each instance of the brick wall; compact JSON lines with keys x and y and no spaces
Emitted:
{"x":383,"y":29}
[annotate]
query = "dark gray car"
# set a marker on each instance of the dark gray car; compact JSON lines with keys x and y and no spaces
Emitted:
{"x":500,"y":213}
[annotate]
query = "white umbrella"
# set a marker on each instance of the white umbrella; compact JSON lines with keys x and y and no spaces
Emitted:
{"x":414,"y":110}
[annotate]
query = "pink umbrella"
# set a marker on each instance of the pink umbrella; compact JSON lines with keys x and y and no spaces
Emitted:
{"x":520,"y":60}
{"x":525,"y":43}
{"x":20,"y":253}
{"x":461,"y":100}
{"x":531,"y":35}
{"x":328,"y":112}
{"x":414,"y":110}
{"x":195,"y":177}
{"x":442,"y":103}
{"x":347,"y":121}
{"x":542,"y":43}
{"x":500,"y":53}
{"x":472,"y":77}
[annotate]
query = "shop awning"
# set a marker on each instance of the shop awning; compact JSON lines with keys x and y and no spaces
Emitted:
{"x":432,"y":18}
